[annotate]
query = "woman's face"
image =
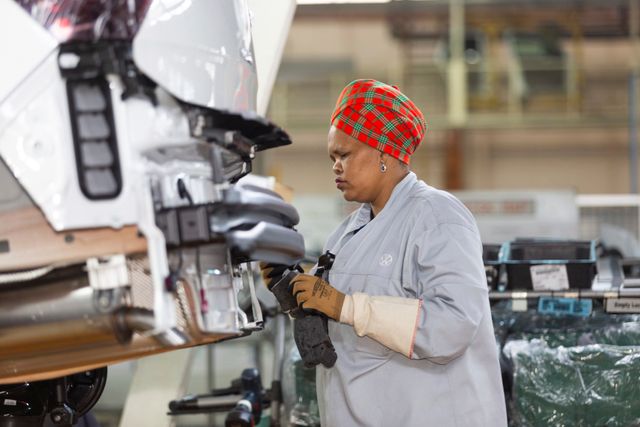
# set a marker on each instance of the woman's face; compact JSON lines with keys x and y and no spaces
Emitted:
{"x":356,"y":165}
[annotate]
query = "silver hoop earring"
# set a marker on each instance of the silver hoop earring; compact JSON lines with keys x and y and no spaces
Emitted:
{"x":383,"y":167}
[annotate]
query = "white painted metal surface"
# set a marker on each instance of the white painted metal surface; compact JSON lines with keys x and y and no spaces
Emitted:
{"x":271,"y":21}
{"x":36,"y":142}
{"x":37,"y":145}
{"x":25,"y":45}
{"x":200,"y":51}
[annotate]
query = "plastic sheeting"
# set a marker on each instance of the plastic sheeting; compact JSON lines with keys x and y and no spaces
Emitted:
{"x":594,"y":385}
{"x":88,"y":20}
{"x":558,"y":371}
{"x":570,"y":371}
{"x":598,"y":328}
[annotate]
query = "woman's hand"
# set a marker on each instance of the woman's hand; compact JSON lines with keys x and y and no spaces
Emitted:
{"x":313,"y":293}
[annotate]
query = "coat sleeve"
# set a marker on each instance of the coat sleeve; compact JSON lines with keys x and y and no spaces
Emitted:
{"x":448,"y":275}
{"x":445,"y":273}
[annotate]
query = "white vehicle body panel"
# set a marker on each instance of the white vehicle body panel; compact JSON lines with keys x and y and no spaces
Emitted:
{"x":201,"y":52}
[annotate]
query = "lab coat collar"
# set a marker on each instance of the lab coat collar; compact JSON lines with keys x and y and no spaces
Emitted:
{"x":363,"y":215}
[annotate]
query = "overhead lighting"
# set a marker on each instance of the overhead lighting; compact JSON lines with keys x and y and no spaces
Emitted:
{"x":340,"y":1}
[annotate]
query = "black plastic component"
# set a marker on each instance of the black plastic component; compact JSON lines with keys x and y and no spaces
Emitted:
{"x":23,"y":404}
{"x":85,"y":67}
{"x":194,"y":225}
{"x":107,"y":57}
{"x":245,"y":398}
{"x":63,"y":415}
{"x":492,"y":266}
{"x":258,"y":133}
{"x":60,"y":401}
{"x":167,"y":222}
{"x":204,"y":403}
{"x":240,"y":416}
{"x":84,"y":389}
{"x":94,"y":138}
{"x":491,"y":254}
{"x":325,"y":262}
{"x":535,"y":250}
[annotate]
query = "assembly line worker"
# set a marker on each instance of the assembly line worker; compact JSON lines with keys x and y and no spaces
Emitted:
{"x":407,"y":289}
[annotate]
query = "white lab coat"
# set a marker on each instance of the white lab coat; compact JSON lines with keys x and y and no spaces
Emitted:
{"x":424,"y":245}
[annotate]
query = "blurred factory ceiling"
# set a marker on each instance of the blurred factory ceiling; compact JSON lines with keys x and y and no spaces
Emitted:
{"x":429,"y":18}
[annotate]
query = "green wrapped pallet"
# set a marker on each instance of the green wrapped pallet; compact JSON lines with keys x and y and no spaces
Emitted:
{"x":570,"y":371}
{"x":591,"y":386}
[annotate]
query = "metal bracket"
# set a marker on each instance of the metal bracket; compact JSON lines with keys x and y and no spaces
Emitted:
{"x":108,"y":273}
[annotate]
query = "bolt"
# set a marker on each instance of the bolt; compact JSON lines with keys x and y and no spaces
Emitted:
{"x":104,"y":301}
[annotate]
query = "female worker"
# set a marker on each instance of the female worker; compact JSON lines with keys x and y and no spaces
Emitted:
{"x":412,"y":325}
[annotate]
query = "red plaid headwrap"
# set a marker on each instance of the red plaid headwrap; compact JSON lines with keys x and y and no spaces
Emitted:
{"x":381,"y":116}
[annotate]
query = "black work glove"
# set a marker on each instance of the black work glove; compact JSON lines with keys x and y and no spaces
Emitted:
{"x":311,"y":335}
{"x":272,"y":273}
{"x":277,"y":278}
{"x":310,"y":331}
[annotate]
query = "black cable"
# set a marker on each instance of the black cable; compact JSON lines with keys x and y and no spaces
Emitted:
{"x":183,"y":192}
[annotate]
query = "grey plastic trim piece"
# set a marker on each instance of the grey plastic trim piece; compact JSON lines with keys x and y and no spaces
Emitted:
{"x":268,"y":242}
{"x":263,"y":199}
{"x":223,"y":222}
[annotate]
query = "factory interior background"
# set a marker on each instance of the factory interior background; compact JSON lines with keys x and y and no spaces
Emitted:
{"x":532,"y":111}
{"x":544,"y":110}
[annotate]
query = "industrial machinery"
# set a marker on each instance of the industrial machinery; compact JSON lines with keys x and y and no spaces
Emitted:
{"x":125,"y":228}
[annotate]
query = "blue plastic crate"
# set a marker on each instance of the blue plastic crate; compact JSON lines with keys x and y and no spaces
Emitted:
{"x":565,"y":306}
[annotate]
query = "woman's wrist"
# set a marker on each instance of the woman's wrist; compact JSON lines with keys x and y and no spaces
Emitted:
{"x":346,"y":314}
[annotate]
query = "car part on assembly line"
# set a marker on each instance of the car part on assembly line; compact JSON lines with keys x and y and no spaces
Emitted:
{"x":125,"y":139}
{"x":60,"y":402}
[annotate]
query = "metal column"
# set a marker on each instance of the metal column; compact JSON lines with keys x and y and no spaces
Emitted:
{"x":457,"y":96}
{"x":633,"y":75}
{"x":457,"y":69}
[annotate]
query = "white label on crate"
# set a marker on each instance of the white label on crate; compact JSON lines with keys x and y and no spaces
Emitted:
{"x":549,"y":277}
{"x":519,"y":305}
{"x":623,"y":305}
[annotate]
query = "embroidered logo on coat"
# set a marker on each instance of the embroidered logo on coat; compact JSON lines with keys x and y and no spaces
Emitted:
{"x":386,"y":260}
